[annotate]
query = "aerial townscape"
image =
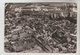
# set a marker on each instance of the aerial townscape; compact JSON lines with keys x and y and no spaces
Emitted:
{"x":46,"y":27}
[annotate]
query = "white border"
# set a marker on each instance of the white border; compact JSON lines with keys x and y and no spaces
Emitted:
{"x":2,"y":26}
